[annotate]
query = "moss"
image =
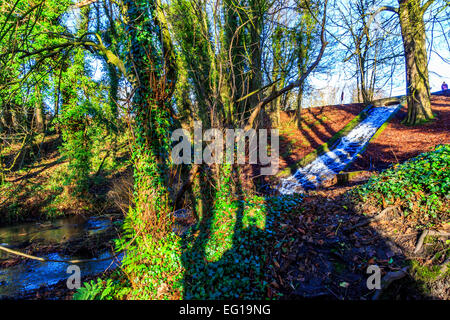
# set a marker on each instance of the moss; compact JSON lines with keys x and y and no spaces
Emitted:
{"x":376,"y":135}
{"x":345,"y":177}
{"x":425,"y":273}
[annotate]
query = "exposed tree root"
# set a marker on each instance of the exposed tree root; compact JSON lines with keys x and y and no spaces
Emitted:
{"x":426,"y":233}
{"x":388,"y":279}
{"x":370,"y":219}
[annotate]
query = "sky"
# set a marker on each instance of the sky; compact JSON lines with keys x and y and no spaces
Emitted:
{"x":438,"y":70}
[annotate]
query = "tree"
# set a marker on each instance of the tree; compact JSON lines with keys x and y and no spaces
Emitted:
{"x":307,"y":29}
{"x":300,"y":80}
{"x":411,"y":18}
{"x":412,"y":24}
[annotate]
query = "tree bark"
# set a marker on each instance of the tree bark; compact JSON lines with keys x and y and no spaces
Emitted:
{"x":7,"y":119}
{"x":39,"y":112}
{"x":298,"y":114}
{"x":417,"y":83}
{"x":275,"y":111}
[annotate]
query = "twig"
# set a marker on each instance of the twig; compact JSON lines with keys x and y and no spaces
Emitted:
{"x":371,"y":219}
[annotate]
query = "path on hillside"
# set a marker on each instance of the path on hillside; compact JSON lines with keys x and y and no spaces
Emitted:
{"x":345,"y":151}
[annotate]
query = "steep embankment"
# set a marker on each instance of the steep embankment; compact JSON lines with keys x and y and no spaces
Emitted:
{"x":399,"y":142}
{"x":339,"y":154}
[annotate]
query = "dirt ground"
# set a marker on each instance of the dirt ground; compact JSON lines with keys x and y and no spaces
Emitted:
{"x":395,"y":144}
{"x":398,"y":142}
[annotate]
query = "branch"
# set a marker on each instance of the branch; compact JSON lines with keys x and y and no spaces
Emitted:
{"x":427,"y":5}
{"x":100,"y":47}
{"x":373,"y":14}
{"x":112,"y":58}
{"x":299,"y":82}
{"x":84,"y":3}
{"x":76,"y":261}
{"x":385,"y":8}
{"x":258,"y":91}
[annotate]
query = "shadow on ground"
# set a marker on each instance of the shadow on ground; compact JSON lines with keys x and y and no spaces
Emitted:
{"x":307,"y":248}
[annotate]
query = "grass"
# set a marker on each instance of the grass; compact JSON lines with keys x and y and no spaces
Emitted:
{"x":376,"y":135}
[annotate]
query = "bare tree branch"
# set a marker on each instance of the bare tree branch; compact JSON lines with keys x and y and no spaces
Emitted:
{"x":275,"y":94}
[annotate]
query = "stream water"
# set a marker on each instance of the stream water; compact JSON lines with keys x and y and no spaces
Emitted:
{"x":31,"y":274}
{"x":345,"y":151}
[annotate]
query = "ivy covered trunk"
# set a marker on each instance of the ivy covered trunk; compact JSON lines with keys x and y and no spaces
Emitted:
{"x":417,"y":83}
{"x":152,"y":260}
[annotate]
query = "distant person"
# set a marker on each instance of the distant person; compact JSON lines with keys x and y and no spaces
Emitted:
{"x":444,"y":86}
{"x":342,"y":97}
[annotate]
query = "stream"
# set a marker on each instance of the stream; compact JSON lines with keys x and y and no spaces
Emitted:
{"x":30,"y":274}
{"x":345,"y":151}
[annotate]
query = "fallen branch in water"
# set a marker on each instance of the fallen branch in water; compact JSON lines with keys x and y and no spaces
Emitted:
{"x":28,"y":256}
{"x":18,"y":253}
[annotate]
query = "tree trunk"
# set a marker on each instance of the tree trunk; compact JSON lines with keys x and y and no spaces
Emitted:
{"x":255,"y":80}
{"x":275,"y":111}
{"x":7,"y":119}
{"x":39,"y":112}
{"x":298,"y":113}
{"x":417,"y":83}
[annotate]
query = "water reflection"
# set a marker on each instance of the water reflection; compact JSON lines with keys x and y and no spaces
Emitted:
{"x":32,"y":274}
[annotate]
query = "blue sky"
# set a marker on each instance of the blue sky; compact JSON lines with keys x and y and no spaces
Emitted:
{"x":439,"y":70}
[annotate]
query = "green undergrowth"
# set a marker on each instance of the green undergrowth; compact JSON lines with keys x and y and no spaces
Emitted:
{"x":221,"y":257}
{"x":419,"y":187}
{"x":43,"y":189}
{"x":221,"y":264}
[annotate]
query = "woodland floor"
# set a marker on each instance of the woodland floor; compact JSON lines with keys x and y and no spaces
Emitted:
{"x":398,"y":142}
{"x":321,"y":255}
{"x":36,"y":191}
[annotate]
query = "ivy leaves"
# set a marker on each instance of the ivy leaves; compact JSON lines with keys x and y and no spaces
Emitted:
{"x":420,"y":185}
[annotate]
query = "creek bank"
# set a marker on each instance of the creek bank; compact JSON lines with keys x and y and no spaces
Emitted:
{"x":63,"y":239}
